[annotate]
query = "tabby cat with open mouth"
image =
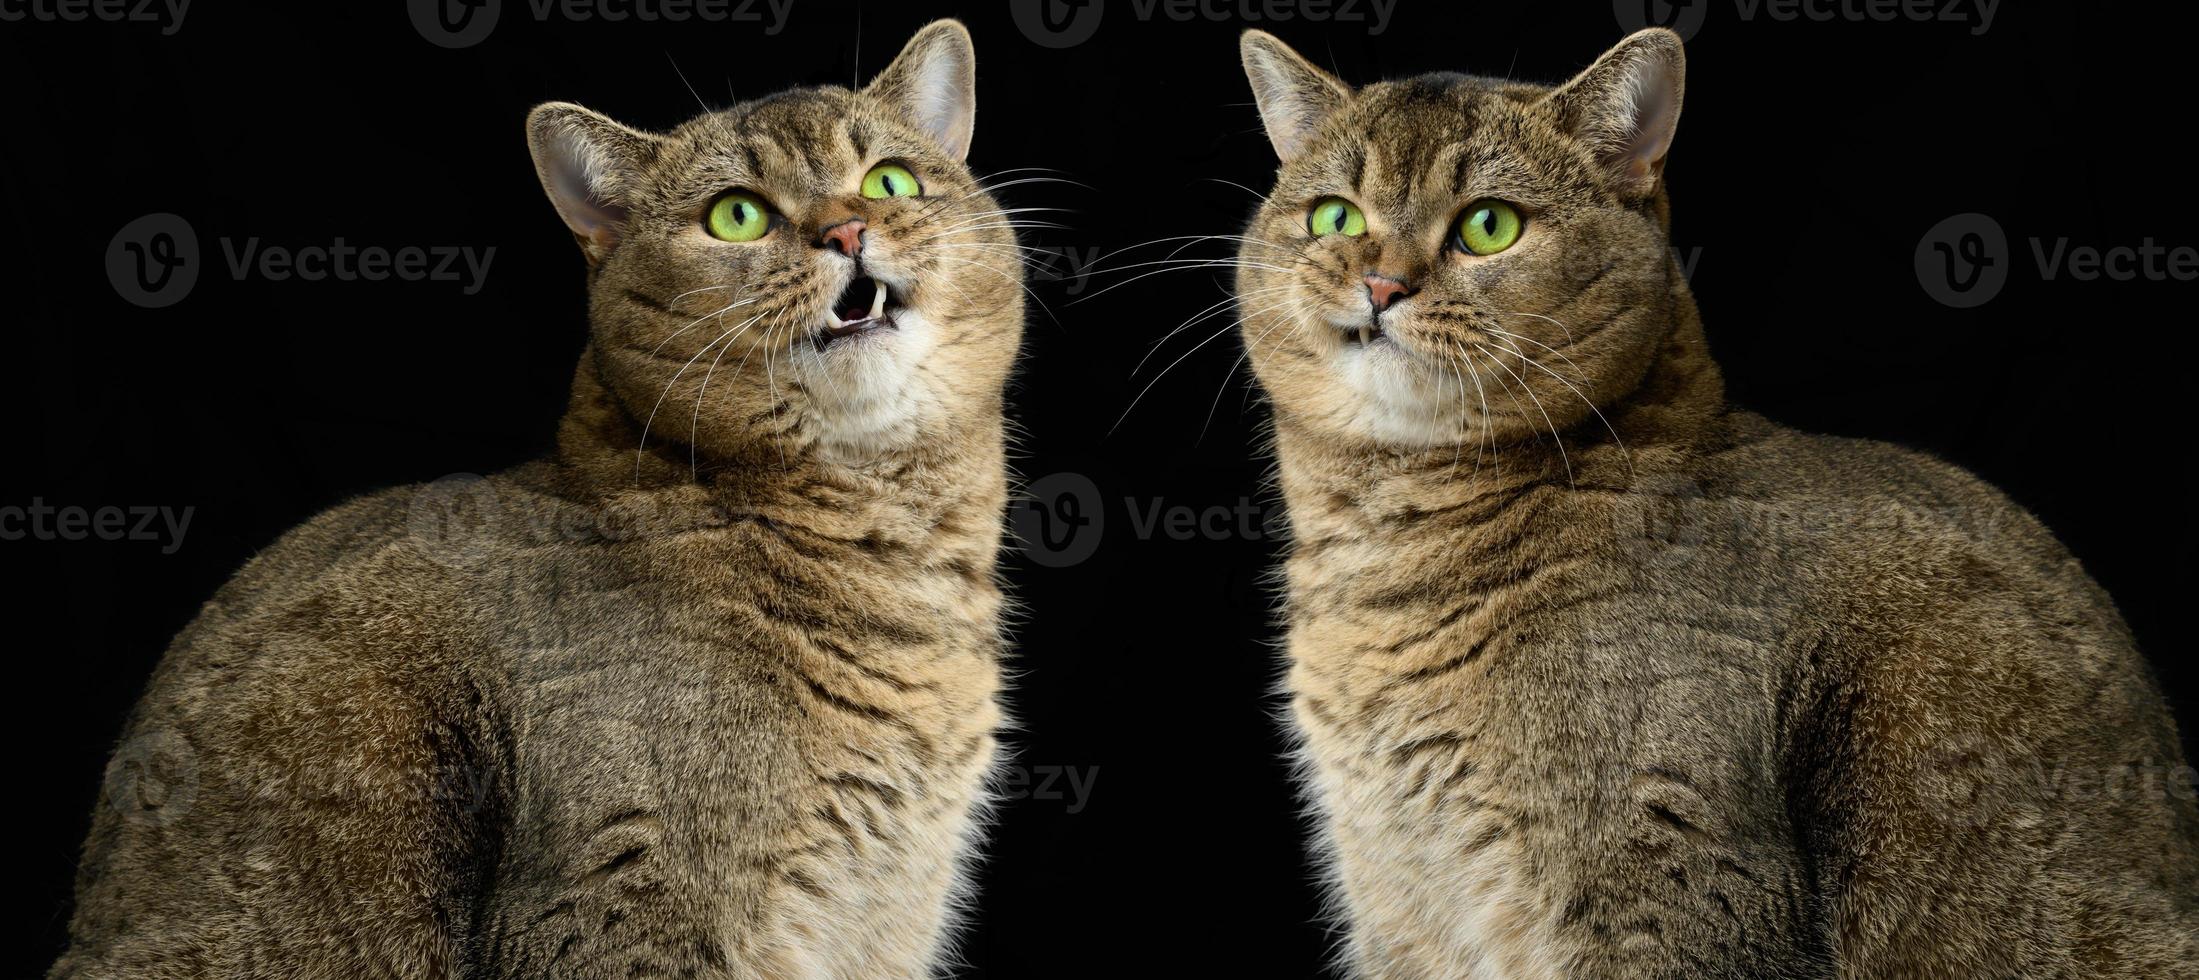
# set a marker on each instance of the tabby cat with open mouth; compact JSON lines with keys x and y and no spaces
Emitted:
{"x":713,"y":690}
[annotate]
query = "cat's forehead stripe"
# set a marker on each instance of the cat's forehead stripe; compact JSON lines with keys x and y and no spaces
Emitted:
{"x":858,"y":137}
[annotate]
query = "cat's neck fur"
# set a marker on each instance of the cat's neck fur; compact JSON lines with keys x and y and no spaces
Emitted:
{"x":942,"y":495}
{"x":1339,"y":489}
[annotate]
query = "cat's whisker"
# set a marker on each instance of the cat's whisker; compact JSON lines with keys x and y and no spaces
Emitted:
{"x":721,"y":311}
{"x":1488,"y":434}
{"x":690,"y":85}
{"x":1027,"y":256}
{"x":1262,"y":198}
{"x":643,"y":444}
{"x":1232,"y":261}
{"x":771,"y":381}
{"x":694,"y":424}
{"x":1238,"y":262}
{"x":1188,"y":241}
{"x":1007,"y":225}
{"x":1486,"y":443}
{"x":1555,"y":435}
{"x":1562,"y":328}
{"x":1624,"y":453}
{"x":1577,"y":370}
{"x":990,"y":188}
{"x":981,"y":178}
{"x":1296,"y":310}
{"x":1017,"y":280}
{"x":1155,"y":347}
{"x":1179,"y":265}
{"x":1210,"y":338}
{"x":705,"y":289}
{"x":975,"y":216}
{"x":1447,"y":366}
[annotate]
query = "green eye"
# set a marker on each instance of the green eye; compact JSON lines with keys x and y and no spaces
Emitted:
{"x":890,"y":180}
{"x":1489,"y":226}
{"x":737,"y":216}
{"x":1333,"y":216}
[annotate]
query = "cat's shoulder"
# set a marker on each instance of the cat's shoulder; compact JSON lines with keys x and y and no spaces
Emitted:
{"x":1780,"y":457}
{"x":384,"y":574}
{"x":1882,"y":503}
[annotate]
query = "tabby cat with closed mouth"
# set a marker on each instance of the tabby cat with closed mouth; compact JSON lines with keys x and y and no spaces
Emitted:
{"x":1598,"y":676}
{"x":713,"y":690}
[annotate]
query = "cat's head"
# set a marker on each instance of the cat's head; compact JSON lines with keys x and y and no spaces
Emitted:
{"x":1446,"y":259}
{"x":813,"y":271}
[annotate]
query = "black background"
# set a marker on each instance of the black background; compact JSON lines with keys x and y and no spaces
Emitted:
{"x":1811,"y":159}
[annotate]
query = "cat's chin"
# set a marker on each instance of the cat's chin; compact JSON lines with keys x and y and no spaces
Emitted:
{"x":865,"y":395}
{"x":1401,"y":402}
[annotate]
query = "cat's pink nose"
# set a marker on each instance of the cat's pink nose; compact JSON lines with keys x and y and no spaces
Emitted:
{"x":1384,"y":292}
{"x":847,"y":237}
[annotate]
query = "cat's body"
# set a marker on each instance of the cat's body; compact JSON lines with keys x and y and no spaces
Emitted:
{"x":718,"y":703}
{"x":1612,"y":728}
{"x":1695,"y":695}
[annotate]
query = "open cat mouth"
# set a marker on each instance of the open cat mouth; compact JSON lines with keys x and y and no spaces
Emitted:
{"x":1363,"y":335}
{"x":867,"y":304}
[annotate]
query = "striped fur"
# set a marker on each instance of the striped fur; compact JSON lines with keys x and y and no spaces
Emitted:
{"x":717,"y":703}
{"x":1597,"y":676}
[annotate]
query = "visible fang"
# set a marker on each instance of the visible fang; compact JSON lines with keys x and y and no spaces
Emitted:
{"x":1366,"y":335}
{"x":878,"y":302}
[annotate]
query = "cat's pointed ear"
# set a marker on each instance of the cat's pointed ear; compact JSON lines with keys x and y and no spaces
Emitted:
{"x":932,"y":83}
{"x":589,"y":165}
{"x":1626,"y":106}
{"x":1294,"y":95}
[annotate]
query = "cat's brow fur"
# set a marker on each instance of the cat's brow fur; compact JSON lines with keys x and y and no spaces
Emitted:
{"x":717,"y":704}
{"x":1703,"y":696}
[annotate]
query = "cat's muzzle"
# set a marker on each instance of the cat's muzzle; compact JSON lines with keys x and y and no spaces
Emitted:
{"x":867,"y":304}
